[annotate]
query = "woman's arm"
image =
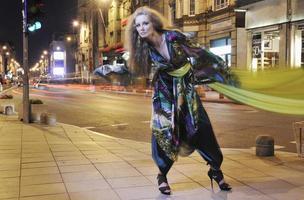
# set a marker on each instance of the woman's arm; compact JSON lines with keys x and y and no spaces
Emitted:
{"x":207,"y":67}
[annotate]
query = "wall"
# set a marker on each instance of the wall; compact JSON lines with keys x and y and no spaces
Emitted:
{"x":297,"y":7}
{"x":241,"y":48}
{"x":266,"y":13}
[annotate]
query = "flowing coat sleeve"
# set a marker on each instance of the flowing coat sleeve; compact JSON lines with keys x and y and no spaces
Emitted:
{"x":207,"y":67}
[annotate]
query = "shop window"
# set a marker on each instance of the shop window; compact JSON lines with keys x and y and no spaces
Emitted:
{"x":222,"y":48}
{"x":271,"y":41}
{"x":220,"y":4}
{"x":192,"y":7}
{"x":265,"y":50}
{"x":256,"y":51}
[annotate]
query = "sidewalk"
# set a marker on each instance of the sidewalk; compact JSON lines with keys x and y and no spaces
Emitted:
{"x":63,"y":162}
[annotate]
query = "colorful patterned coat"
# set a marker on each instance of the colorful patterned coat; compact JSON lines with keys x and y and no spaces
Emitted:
{"x":178,"y":118}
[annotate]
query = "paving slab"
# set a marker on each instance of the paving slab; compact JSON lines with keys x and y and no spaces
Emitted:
{"x":66,"y":162}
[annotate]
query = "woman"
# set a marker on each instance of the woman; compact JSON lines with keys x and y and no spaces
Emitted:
{"x":178,"y":119}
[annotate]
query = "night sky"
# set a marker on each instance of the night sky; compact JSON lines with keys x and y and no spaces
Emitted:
{"x":59,"y":15}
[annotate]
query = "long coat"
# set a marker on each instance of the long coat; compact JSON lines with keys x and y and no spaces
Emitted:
{"x":178,"y":117}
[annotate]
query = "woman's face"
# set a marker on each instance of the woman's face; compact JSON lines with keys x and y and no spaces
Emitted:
{"x":143,"y":26}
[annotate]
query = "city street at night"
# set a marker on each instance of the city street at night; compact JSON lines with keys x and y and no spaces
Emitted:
{"x":152,"y":100}
{"x":128,"y":116}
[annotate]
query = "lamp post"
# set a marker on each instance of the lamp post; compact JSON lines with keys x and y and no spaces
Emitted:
{"x":26,"y":101}
{"x":75,"y":26}
{"x":46,"y":61}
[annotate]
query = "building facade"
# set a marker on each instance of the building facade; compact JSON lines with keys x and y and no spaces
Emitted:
{"x":274,"y":33}
{"x":8,"y":62}
{"x":247,"y":34}
{"x":61,"y":56}
{"x":213,"y":23}
{"x":100,"y":32}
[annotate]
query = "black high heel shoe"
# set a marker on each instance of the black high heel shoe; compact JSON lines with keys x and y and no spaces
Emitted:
{"x":163,"y":189}
{"x":218,"y":176}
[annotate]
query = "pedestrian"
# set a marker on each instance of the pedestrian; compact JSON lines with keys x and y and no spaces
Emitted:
{"x":179,"y":121}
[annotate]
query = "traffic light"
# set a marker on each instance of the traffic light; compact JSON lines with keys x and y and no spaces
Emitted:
{"x":34,"y":14}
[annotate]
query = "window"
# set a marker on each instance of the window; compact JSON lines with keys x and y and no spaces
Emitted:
{"x":220,"y":4}
{"x":222,"y":48}
{"x":192,"y":7}
{"x":265,"y":50}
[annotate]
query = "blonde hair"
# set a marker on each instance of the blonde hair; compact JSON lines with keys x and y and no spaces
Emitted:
{"x":138,"y":48}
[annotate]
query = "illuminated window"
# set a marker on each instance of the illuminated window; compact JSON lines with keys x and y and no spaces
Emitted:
{"x":58,"y":55}
{"x":220,"y":4}
{"x":222,"y":48}
{"x":58,"y":71}
{"x":192,"y":7}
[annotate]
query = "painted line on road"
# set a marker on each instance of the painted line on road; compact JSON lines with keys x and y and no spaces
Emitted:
{"x":103,"y":135}
{"x":44,"y":96}
{"x":278,"y":147}
{"x":88,"y":127}
{"x":123,"y":124}
{"x":275,"y":147}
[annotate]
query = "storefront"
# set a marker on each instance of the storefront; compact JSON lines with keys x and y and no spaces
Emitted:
{"x":222,"y":48}
{"x":265,"y":49}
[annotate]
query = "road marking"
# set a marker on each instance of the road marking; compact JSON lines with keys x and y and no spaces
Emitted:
{"x":145,"y":122}
{"x":123,"y":124}
{"x":103,"y":135}
{"x":275,"y":147}
{"x":278,"y":147}
{"x":88,"y":127}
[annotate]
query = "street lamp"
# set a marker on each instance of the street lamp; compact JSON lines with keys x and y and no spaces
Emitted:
{"x":75,"y":23}
{"x":46,"y":61}
{"x":69,"y":39}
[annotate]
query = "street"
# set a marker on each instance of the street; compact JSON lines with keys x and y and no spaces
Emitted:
{"x":128,"y":116}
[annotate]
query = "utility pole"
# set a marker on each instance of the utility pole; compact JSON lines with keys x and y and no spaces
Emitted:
{"x":26,"y":101}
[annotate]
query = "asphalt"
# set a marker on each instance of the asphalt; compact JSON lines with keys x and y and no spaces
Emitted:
{"x":206,"y":94}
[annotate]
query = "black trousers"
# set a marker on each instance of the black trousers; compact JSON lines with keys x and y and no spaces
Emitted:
{"x":204,"y":141}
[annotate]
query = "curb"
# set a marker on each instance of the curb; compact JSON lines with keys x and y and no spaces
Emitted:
{"x":7,"y":89}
